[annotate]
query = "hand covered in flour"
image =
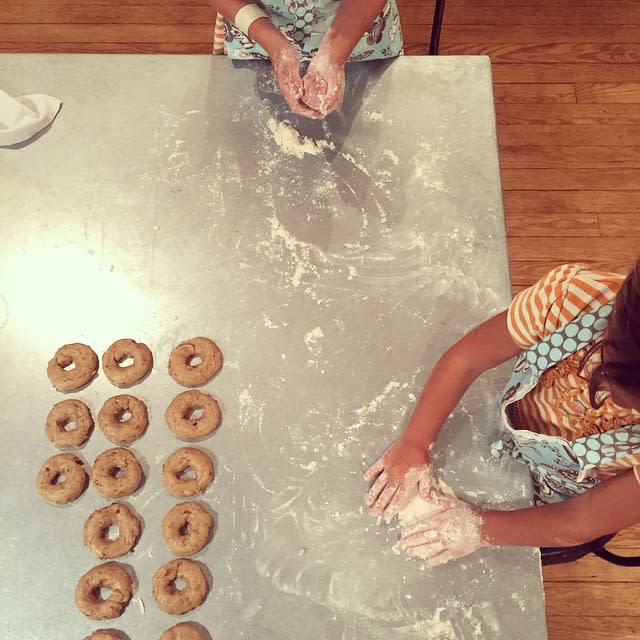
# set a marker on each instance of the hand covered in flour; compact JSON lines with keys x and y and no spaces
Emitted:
{"x":286,"y":68}
{"x":453,"y":532}
{"x":324,"y":83}
{"x":403,"y":470}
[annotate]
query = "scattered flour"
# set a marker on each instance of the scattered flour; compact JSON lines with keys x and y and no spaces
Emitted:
{"x":311,"y":339}
{"x":291,"y":143}
{"x":392,"y":156}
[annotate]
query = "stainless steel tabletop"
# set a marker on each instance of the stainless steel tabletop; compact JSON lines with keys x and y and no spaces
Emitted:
{"x":172,"y":197}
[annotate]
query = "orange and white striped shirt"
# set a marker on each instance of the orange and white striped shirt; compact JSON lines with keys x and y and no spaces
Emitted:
{"x":559,"y":404}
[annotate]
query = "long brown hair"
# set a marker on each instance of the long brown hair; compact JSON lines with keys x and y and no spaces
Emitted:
{"x":622,"y":342}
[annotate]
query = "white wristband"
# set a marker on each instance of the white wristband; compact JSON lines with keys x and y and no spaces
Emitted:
{"x":247,"y":16}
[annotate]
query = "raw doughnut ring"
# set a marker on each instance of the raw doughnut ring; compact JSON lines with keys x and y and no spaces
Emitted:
{"x":85,"y":369}
{"x":186,"y":528}
{"x":97,"y":525}
{"x":116,"y":473}
{"x":109,"y":575}
{"x":179,"y":415}
{"x":119,"y":430}
{"x":195,"y":375}
{"x":172,"y":599}
{"x":178,"y":463}
{"x":184,"y":631}
{"x":106,"y":634}
{"x":72,"y":485}
{"x":62,"y":415}
{"x":117,"y":353}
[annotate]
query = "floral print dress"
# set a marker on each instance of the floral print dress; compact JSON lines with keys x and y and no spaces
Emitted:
{"x":304,"y":23}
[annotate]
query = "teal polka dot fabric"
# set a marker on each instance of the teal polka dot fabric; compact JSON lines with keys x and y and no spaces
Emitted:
{"x":560,"y":468}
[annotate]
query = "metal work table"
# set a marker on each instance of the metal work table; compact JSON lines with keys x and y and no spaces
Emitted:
{"x":170,"y":199}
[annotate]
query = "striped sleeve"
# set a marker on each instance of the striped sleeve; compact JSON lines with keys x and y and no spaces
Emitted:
{"x":558,"y":298}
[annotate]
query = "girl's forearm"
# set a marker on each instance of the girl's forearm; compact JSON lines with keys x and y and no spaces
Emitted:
{"x":544,"y":526}
{"x":448,"y":382}
{"x":485,"y":347}
{"x":352,"y":19}
{"x":608,"y":507}
{"x":262,"y":31}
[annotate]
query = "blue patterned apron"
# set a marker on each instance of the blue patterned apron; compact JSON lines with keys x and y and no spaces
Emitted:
{"x":560,"y":468}
{"x":305,"y":22}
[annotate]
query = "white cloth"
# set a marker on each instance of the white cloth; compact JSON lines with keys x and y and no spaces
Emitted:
{"x":22,"y":117}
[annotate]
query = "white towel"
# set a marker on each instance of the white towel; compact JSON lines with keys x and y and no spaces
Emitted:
{"x":22,"y":117}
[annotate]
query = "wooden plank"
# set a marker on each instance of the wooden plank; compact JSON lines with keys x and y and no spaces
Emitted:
{"x":546,"y":52}
{"x":627,"y":539}
{"x":526,"y":225}
{"x":576,"y":114}
{"x":613,"y":597}
{"x":574,"y":157}
{"x":524,"y":273}
{"x":534,"y":93}
{"x":92,"y":33}
{"x":621,"y":224}
{"x":621,"y":250}
{"x":535,"y":16}
{"x":563,"y":202}
{"x":590,"y":568}
{"x":562,"y":72}
{"x":540,"y":13}
{"x":576,"y":179}
{"x":105,"y":13}
{"x":583,"y":627}
{"x":567,"y":135}
{"x":192,"y":48}
{"x":608,"y":92}
{"x":465,"y":34}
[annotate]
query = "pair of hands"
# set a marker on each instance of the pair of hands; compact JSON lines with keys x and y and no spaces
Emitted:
{"x":319,"y":92}
{"x":404,"y":470}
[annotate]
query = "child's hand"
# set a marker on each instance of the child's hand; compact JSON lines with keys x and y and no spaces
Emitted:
{"x":324,"y":83}
{"x":286,"y":68}
{"x":402,"y":468}
{"x":449,"y":534}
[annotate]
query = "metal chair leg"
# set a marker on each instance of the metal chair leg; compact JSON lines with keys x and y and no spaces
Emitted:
{"x":438,"y":14}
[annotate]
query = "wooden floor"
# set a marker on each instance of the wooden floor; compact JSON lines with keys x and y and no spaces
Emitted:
{"x":567,"y":90}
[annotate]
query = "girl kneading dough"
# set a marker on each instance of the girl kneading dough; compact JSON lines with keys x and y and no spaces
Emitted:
{"x":325,"y":33}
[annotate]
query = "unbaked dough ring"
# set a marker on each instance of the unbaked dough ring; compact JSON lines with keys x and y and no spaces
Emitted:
{"x":116,"y":473}
{"x":109,"y":575}
{"x":119,"y":431}
{"x":178,"y":463}
{"x":85,"y":363}
{"x":106,"y":634}
{"x":185,"y":631}
{"x":179,"y":601}
{"x":179,"y":412}
{"x":117,"y":353}
{"x":68,"y":468}
{"x":61,"y":416}
{"x":186,"y":528}
{"x":187,"y":374}
{"x":97,"y":525}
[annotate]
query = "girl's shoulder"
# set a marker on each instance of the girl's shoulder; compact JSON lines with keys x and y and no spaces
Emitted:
{"x":558,"y":298}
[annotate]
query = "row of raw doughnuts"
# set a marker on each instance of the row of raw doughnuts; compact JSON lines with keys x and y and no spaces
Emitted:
{"x":186,"y":529}
{"x":123,"y":419}
{"x":192,"y":363}
{"x":180,"y":631}
{"x":115,"y":577}
{"x":117,"y":473}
